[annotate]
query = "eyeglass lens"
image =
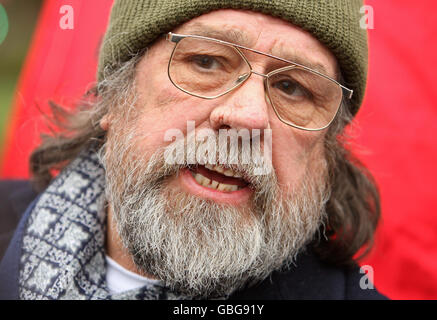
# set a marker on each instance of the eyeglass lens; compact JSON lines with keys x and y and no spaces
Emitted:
{"x":209,"y":69}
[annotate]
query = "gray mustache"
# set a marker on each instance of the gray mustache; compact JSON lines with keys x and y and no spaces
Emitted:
{"x":229,"y":148}
{"x":240,"y":155}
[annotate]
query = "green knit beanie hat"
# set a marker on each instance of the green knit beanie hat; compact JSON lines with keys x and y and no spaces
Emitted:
{"x":134,"y":24}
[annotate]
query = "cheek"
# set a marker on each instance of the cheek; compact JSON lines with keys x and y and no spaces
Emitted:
{"x":163,"y":107}
{"x":295,"y":152}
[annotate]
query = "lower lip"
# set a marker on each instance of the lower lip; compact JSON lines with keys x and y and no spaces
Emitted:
{"x":234,"y":197}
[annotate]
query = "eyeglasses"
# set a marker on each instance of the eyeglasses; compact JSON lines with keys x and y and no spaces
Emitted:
{"x":210,"y":68}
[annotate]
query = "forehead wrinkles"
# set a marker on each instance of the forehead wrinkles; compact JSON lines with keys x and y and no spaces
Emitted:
{"x":225,"y":32}
{"x":309,"y":53}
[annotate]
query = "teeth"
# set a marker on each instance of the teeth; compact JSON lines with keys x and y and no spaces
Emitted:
{"x":219,"y":169}
{"x":204,"y":181}
{"x":227,"y":187}
{"x":223,"y":187}
{"x":226,"y":172}
{"x":234,"y":187}
{"x":212,"y":184}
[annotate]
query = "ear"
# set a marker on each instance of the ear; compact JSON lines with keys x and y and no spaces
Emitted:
{"x":105,"y":122}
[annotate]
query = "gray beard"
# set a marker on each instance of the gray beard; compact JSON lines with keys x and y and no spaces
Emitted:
{"x":196,"y":246}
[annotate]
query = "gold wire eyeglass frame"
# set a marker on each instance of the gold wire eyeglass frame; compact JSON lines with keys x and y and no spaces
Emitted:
{"x":176,"y":38}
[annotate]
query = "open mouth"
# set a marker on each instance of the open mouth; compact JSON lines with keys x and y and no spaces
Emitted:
{"x":218,"y":178}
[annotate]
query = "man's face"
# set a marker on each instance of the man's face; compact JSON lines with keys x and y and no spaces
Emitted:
{"x":198,"y":239}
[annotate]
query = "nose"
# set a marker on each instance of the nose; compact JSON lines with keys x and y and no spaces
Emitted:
{"x":243,"y":108}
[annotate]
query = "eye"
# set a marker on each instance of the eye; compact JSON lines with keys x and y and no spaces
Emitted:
{"x":205,"y":62}
{"x":291,"y":88}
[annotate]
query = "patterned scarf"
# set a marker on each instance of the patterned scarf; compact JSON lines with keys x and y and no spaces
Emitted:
{"x":63,"y":253}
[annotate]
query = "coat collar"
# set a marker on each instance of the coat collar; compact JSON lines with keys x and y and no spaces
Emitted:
{"x":10,"y":264}
{"x":22,"y":197}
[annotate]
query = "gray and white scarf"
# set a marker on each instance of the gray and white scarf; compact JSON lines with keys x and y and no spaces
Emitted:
{"x":63,"y":255}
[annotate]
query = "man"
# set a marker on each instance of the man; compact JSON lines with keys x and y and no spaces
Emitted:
{"x":208,"y":163}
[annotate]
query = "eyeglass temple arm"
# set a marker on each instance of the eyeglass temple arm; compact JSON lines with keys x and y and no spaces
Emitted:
{"x":347,"y":92}
{"x":173,"y":38}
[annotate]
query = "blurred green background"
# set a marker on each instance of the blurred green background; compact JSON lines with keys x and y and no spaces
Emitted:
{"x":22,"y":16}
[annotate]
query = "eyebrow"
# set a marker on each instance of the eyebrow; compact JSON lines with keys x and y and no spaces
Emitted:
{"x":225,"y":34}
{"x":239,"y":37}
{"x":284,"y":53}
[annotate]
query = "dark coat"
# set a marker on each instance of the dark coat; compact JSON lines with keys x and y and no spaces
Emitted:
{"x":309,"y":279}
